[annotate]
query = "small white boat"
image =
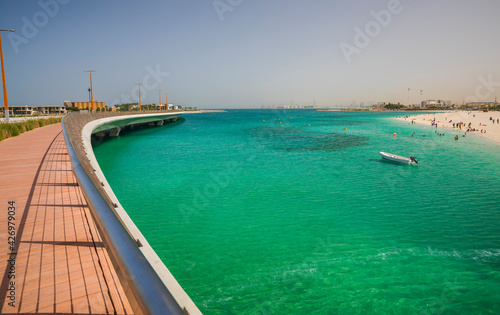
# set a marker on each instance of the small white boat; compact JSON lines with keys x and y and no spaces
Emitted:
{"x":399,"y":159}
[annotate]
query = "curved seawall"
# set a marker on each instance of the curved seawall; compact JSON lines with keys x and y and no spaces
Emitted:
{"x":148,"y":283}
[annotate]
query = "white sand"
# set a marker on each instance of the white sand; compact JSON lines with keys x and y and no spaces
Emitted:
{"x":479,"y":120}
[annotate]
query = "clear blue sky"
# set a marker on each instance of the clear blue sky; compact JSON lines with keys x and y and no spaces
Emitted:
{"x":249,"y":53}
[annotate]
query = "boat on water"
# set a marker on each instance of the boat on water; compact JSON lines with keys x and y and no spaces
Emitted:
{"x":399,"y":159}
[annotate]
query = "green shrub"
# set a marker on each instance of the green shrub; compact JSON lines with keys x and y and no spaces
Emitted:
{"x":8,"y":130}
{"x":4,"y":134}
{"x":14,"y":130}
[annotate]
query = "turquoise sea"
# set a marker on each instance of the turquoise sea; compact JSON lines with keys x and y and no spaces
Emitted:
{"x":256,"y":212}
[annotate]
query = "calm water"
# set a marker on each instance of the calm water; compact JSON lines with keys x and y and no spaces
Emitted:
{"x":254,"y":216}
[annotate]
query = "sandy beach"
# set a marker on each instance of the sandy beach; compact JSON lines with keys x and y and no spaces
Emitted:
{"x":480,"y":121}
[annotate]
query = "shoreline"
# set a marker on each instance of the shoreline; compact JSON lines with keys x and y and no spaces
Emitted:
{"x":480,"y":123}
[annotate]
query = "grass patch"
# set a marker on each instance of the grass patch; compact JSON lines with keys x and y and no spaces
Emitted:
{"x":8,"y":130}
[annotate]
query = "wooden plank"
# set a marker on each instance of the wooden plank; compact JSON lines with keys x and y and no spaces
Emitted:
{"x":61,"y":265}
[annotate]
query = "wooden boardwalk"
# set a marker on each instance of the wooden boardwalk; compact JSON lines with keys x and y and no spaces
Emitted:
{"x":59,"y":265}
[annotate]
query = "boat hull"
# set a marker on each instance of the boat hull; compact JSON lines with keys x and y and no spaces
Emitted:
{"x":396,"y":158}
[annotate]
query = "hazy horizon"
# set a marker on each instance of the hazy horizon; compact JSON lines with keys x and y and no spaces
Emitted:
{"x":249,"y":54}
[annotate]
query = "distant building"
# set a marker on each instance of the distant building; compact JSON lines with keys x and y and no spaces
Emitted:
{"x":297,"y":107}
{"x":37,"y":110}
{"x":85,"y":105}
{"x":435,"y":103}
{"x":378,"y":106}
{"x":21,"y":110}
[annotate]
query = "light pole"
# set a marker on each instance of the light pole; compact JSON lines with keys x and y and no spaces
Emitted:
{"x":159,"y":99}
{"x":91,"y":90}
{"x":139,"y":97}
{"x":408,"y":97}
{"x":5,"y":102}
{"x":421,"y":91}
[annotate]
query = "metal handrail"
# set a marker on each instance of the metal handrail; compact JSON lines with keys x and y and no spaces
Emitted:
{"x":145,"y":290}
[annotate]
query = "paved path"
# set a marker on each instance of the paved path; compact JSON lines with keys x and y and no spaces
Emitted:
{"x":61,"y":266}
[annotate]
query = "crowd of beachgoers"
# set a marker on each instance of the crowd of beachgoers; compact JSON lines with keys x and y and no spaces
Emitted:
{"x":482,"y":123}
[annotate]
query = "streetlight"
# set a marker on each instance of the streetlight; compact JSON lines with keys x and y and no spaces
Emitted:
{"x":139,"y":96}
{"x":408,"y":97}
{"x":91,"y":90}
{"x":5,"y":102}
{"x":159,"y":99}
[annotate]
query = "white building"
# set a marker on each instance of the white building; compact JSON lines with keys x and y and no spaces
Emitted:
{"x":37,"y":110}
{"x":435,"y":103}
